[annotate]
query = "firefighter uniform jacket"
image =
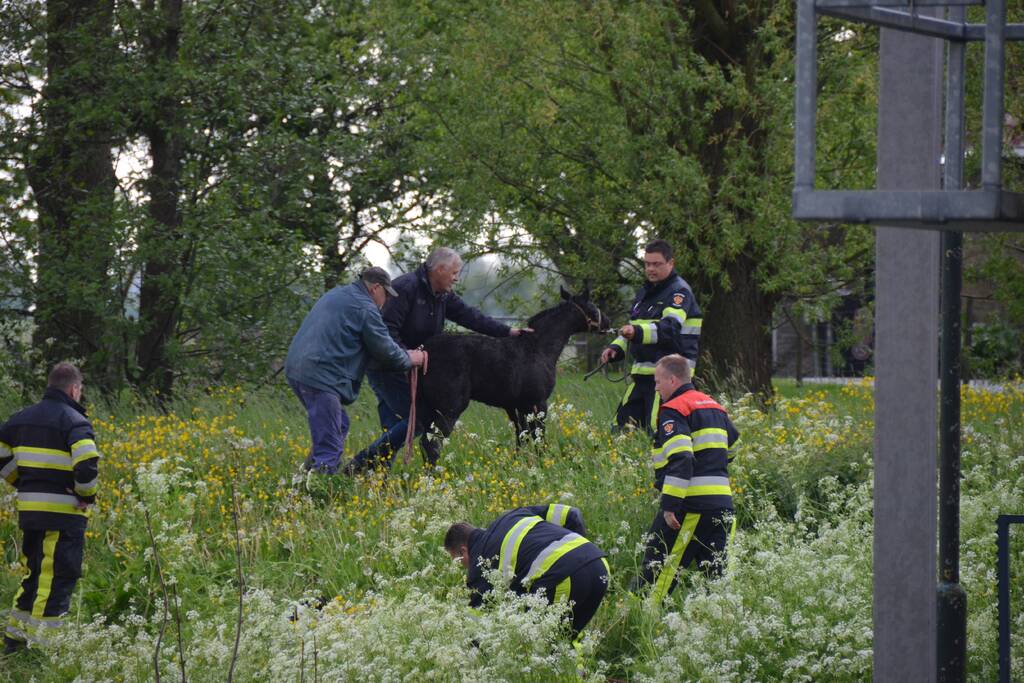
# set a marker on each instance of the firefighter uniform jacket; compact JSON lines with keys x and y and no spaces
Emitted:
{"x":667,"y":320}
{"x":529,"y":545}
{"x":692,"y":450}
{"x":48,"y":453}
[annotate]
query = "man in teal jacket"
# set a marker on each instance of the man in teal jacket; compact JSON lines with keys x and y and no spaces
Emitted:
{"x":328,"y":355}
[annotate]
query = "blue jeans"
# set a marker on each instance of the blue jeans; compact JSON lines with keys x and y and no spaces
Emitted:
{"x":392,"y":390}
{"x":328,"y":426}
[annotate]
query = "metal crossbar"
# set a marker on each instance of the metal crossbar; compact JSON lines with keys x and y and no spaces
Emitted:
{"x":1003,"y":569}
{"x":990,"y":208}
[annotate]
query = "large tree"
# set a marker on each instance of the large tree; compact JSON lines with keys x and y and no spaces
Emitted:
{"x":590,"y":127}
{"x":259,"y":146}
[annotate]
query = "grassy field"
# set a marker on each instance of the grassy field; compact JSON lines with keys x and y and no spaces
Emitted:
{"x":359,"y":588}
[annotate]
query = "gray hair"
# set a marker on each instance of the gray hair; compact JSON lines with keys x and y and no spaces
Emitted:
{"x":442,"y":256}
{"x":63,"y":376}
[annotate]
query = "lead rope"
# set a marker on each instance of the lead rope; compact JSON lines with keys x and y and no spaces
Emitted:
{"x":410,"y":431}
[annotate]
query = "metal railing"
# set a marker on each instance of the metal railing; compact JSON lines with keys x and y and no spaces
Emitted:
{"x":1003,"y":571}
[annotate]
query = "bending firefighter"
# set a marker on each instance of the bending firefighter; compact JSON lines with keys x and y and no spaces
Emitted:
{"x":664,"y":319}
{"x":691,"y":455}
{"x":48,"y":453}
{"x":539,"y":549}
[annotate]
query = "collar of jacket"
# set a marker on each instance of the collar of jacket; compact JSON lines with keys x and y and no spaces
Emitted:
{"x":682,"y":389}
{"x":652,"y":287}
{"x":55,"y":394}
{"x":421,"y":275}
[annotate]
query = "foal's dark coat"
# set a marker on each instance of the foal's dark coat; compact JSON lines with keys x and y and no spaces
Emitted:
{"x":514,"y":373}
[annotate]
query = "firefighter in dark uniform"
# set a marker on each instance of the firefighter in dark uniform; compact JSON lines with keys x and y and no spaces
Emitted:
{"x":691,"y":454}
{"x":664,"y":319}
{"x":48,"y":453}
{"x":539,"y":549}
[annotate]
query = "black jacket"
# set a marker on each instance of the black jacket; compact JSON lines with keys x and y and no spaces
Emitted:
{"x":667,"y":320}
{"x":48,"y":453}
{"x":417,"y":314}
{"x":692,"y":451}
{"x":553,"y":531}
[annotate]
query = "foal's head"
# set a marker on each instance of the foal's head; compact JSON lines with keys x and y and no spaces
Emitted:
{"x":590,"y":316}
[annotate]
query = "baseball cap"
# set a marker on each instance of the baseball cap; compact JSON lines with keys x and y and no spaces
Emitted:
{"x":379,"y":276}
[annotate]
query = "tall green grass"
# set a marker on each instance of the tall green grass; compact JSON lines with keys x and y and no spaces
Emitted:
{"x":358,"y":588}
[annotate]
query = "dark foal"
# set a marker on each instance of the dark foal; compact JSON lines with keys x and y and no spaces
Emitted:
{"x":514,"y":373}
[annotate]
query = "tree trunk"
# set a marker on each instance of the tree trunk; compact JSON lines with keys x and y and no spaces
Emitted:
{"x":736,"y":338}
{"x":72,"y":177}
{"x":167,"y":251}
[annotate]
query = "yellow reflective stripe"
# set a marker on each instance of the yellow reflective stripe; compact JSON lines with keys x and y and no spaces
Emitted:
{"x":693,"y":326}
{"x":627,"y":394}
{"x":709,"y":491}
{"x":671,"y":565}
{"x":655,"y":407}
{"x":642,"y":321}
{"x":62,"y":508}
{"x":562,"y":590}
{"x":83,"y":450}
{"x":673,"y":312}
{"x":620,"y":342}
{"x":10,"y":472}
{"x":551,"y":554}
{"x":648,"y":333}
{"x":711,"y":437}
{"x":5,"y":449}
{"x":45,"y":573}
{"x":88,"y":488}
{"x":510,"y":545}
{"x":642,"y":369}
{"x":557,"y":514}
{"x":680,"y":443}
{"x":43,"y":451}
{"x":675,"y":486}
{"x":83,"y":458}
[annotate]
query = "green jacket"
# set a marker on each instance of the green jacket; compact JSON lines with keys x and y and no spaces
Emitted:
{"x":333,"y":344}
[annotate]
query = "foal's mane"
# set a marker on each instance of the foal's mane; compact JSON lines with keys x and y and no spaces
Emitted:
{"x":546,"y":314}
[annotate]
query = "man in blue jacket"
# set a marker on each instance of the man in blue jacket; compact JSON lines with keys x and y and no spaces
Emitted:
{"x":48,"y":453}
{"x":423,"y":303}
{"x":327,"y":359}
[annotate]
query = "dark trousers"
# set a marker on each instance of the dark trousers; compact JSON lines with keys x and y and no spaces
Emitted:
{"x":392,"y":391}
{"x":328,"y":426}
{"x":700,"y":541}
{"x":639,"y":405}
{"x":585,"y":589}
{"x":52,"y":564}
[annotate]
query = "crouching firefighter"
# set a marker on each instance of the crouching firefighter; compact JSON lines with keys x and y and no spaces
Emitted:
{"x":692,"y":450}
{"x":539,"y":549}
{"x":48,"y":454}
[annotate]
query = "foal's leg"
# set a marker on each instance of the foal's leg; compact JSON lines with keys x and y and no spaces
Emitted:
{"x":518,"y":420}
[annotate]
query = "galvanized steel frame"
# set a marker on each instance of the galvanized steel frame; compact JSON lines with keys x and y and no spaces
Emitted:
{"x":990,"y":208}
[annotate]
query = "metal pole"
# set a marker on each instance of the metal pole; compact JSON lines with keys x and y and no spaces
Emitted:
{"x":906,"y":361}
{"x":1003,"y":572}
{"x":806,"y":93}
{"x":951,"y":665}
{"x":992,"y":98}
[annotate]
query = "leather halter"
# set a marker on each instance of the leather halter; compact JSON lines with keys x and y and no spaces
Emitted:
{"x":591,"y":324}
